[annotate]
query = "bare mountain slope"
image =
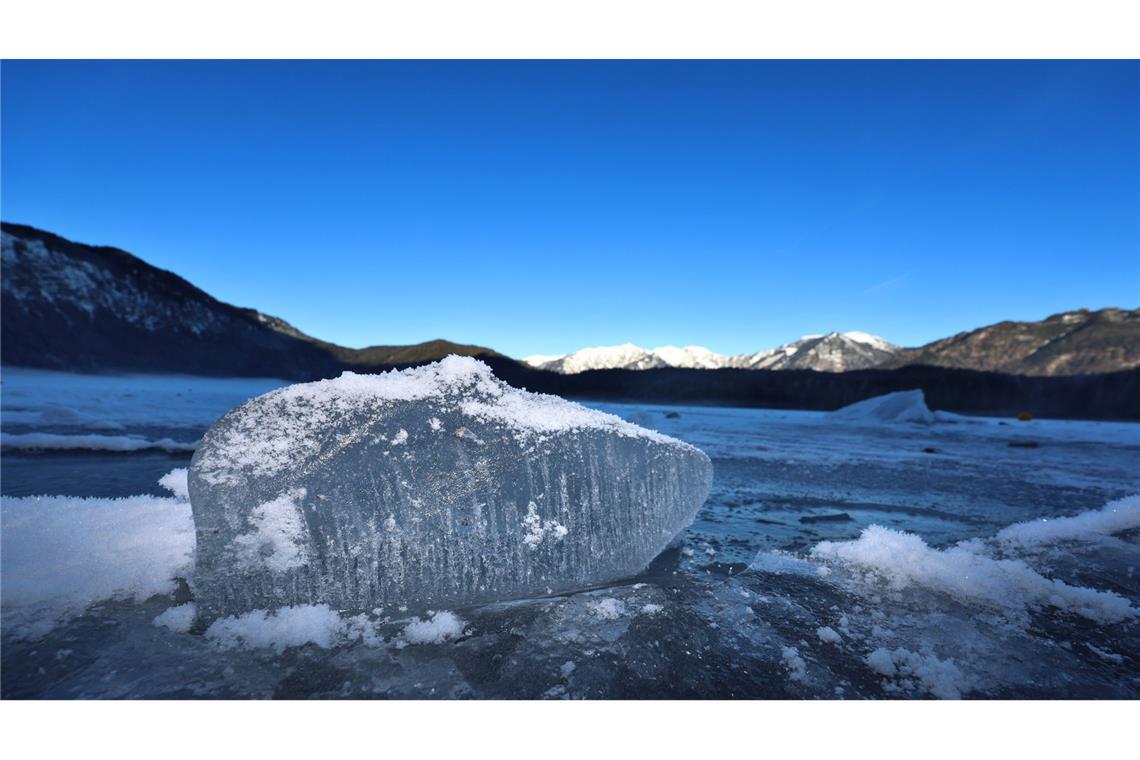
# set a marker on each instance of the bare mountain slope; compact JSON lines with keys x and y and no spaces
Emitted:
{"x":72,"y":306}
{"x":1070,"y":343}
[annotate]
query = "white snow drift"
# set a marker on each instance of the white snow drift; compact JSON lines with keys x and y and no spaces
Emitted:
{"x":64,"y":553}
{"x":967,"y":573}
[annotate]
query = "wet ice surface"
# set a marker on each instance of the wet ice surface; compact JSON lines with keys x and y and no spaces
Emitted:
{"x":841,"y":620}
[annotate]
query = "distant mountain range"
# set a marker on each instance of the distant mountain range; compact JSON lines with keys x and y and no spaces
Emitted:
{"x":1071,"y":343}
{"x":834,"y":352}
{"x":77,"y":307}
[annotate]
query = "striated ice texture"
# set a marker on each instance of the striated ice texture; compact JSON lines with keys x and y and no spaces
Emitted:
{"x":434,"y":486}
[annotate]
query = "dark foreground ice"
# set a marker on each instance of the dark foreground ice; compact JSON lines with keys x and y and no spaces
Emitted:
{"x":996,"y":570}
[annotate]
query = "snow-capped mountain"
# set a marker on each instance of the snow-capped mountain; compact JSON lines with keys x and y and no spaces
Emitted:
{"x":629,"y":356}
{"x":834,"y":352}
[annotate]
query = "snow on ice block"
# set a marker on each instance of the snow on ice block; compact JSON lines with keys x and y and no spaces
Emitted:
{"x":902,"y":406}
{"x":439,"y":485}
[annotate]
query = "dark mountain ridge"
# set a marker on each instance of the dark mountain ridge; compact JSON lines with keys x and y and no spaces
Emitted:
{"x":71,"y":306}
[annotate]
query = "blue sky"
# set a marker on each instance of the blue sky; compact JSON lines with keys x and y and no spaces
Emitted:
{"x":539,"y":207}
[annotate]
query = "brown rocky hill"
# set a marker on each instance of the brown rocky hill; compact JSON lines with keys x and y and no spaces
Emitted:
{"x":1070,"y":343}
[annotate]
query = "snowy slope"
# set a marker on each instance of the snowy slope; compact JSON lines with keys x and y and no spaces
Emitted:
{"x":834,"y":352}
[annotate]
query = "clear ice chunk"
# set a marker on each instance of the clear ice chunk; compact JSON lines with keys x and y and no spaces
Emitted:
{"x":434,"y":486}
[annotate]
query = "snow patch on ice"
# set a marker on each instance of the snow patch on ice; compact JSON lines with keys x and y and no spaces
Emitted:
{"x":360,"y":628}
{"x":280,"y":629}
{"x":1115,"y":517}
{"x":60,"y":554}
{"x":912,"y":672}
{"x":439,"y":627}
{"x":828,"y":635}
{"x":793,"y":663}
{"x":966,"y":573}
{"x":178,"y":619}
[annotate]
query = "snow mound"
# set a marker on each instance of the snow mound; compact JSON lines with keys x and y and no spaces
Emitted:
{"x":61,"y":554}
{"x":968,"y":574}
{"x":901,"y":406}
{"x":440,"y":626}
{"x":1116,"y":517}
{"x":280,"y":629}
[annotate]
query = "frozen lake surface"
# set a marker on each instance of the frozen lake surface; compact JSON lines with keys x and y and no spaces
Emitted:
{"x":783,"y":587}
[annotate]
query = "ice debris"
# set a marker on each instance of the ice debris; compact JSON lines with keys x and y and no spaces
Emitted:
{"x":901,"y":406}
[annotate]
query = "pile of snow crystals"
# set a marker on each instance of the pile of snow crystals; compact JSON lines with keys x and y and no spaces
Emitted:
{"x":1116,"y":517}
{"x":60,"y":554}
{"x":440,"y":626}
{"x":967,"y":573}
{"x":281,"y":629}
{"x":433,"y":486}
{"x":910,"y":672}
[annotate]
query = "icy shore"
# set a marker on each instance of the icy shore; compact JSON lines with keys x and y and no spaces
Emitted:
{"x":1021,"y":582}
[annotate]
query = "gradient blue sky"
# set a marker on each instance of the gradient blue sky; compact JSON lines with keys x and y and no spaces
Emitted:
{"x":539,"y":207}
